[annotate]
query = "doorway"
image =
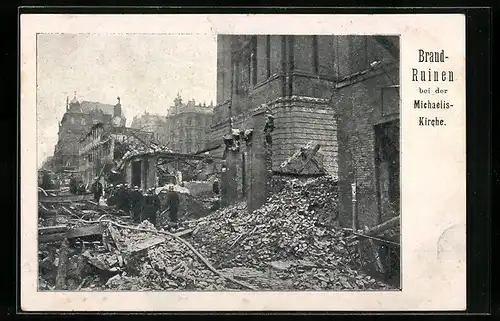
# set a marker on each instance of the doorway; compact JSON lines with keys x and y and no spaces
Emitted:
{"x":136,"y":173}
{"x":387,"y":169}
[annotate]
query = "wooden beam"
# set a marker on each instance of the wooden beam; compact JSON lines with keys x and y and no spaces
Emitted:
{"x":96,"y":229}
{"x":309,"y":157}
{"x":62,"y":267}
{"x":378,"y":229}
{"x":52,"y":229}
{"x":56,"y":237}
{"x":183,"y":233}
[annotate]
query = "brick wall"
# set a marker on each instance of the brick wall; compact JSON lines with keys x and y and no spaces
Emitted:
{"x":300,"y":120}
{"x":360,"y":107}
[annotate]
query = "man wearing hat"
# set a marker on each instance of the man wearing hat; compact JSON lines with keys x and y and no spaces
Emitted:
{"x":136,"y":198}
{"x":97,"y":189}
{"x":123,"y":200}
{"x":151,"y":206}
{"x":173,"y":201}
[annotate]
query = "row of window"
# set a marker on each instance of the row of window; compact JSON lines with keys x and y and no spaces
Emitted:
{"x":99,"y":153}
{"x":73,"y":121}
{"x":196,"y":121}
{"x":253,"y":64}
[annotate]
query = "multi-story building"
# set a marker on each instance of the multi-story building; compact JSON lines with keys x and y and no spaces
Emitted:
{"x":77,"y":122}
{"x":307,"y":83}
{"x":152,"y":123}
{"x":105,"y":144}
{"x":188,"y":126}
{"x":294,"y":76}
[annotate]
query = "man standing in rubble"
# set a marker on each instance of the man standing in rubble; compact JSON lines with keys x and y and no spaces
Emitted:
{"x":151,"y":206}
{"x":215,"y":187}
{"x":97,"y":189}
{"x":123,"y":201}
{"x":173,"y":201}
{"x":136,"y":203}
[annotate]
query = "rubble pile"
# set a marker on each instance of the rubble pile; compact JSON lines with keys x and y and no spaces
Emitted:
{"x":290,"y":230}
{"x":290,"y":243}
{"x":168,"y":265}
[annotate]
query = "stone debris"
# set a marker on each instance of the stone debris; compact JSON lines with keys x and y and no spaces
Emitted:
{"x":290,"y":237}
{"x":290,"y":243}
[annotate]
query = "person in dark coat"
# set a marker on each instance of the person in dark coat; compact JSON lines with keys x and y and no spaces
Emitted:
{"x":73,"y":186}
{"x":215,"y":187}
{"x":173,"y":201}
{"x":136,"y":203}
{"x":81,"y":189}
{"x":151,"y":206}
{"x":97,"y":189}
{"x":123,"y":199}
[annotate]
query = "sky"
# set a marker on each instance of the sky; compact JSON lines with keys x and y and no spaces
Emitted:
{"x":145,"y":71}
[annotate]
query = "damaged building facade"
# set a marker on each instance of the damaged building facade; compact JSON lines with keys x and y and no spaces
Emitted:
{"x":330,"y":91}
{"x":292,"y":77}
{"x":102,"y":148}
{"x":283,"y":80}
{"x":188,"y":126}
{"x":159,"y":167}
{"x":76,"y":122}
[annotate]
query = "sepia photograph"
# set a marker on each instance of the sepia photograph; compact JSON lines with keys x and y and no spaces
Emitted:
{"x":227,"y":162}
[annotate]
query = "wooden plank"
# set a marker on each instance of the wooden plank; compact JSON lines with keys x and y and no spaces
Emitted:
{"x":52,"y":229}
{"x":96,"y":229}
{"x":65,"y":198}
{"x":146,"y":244}
{"x":378,"y":261}
{"x":382,"y":227}
{"x":46,"y":238}
{"x":183,"y":233}
{"x":62,"y":267}
{"x":116,"y":237}
{"x":309,"y":157}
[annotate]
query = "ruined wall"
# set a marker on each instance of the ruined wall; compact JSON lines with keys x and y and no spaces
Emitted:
{"x":258,"y":164}
{"x":370,"y":100}
{"x":299,"y":120}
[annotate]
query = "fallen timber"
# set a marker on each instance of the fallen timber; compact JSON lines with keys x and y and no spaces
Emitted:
{"x":65,"y":198}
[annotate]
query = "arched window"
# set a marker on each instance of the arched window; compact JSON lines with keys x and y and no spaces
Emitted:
{"x":83,"y":121}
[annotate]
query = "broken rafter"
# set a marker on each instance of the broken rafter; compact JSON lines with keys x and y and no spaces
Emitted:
{"x":309,"y":157}
{"x":379,"y":229}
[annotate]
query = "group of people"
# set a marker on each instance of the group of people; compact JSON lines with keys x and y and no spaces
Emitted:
{"x":76,"y":186}
{"x":140,"y":206}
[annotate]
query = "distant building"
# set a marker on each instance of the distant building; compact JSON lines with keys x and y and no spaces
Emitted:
{"x":77,"y":122}
{"x":152,"y":123}
{"x":188,"y":126}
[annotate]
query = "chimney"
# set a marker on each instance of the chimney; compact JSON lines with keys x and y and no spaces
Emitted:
{"x":67,"y":103}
